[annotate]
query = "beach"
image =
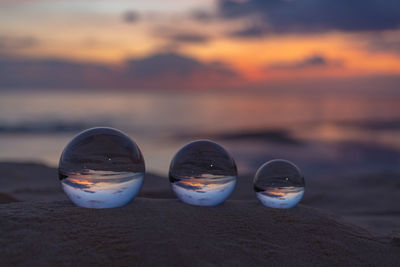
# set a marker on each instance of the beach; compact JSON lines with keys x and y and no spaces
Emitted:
{"x":347,"y":221}
{"x":199,"y":133}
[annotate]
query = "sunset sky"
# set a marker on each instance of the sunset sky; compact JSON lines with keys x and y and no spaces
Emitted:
{"x":197,"y":44}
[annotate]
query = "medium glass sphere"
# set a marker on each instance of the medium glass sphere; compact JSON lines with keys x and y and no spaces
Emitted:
{"x":203,"y":173}
{"x":101,"y":168}
{"x":279,"y":184}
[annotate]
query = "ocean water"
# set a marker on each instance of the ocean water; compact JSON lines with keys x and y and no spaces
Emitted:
{"x":320,"y":133}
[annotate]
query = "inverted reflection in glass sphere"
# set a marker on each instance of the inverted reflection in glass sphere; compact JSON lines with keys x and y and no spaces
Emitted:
{"x":101,"y":168}
{"x":279,"y":184}
{"x":203,"y":173}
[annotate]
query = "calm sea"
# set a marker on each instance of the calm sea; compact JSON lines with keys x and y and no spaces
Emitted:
{"x":321,"y":134}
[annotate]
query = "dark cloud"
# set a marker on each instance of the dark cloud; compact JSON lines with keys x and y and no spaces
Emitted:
{"x":384,"y":45}
{"x":173,"y":66}
{"x":309,"y":62}
{"x":131,"y":16}
{"x":158,"y":71}
{"x":12,"y":42}
{"x":189,"y":38}
{"x":160,"y":64}
{"x":202,"y":15}
{"x":51,"y":73}
{"x":249,"y":32}
{"x":178,"y":37}
{"x":304,"y":16}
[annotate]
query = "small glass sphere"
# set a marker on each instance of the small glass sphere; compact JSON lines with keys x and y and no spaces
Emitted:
{"x":101,"y":168}
{"x":203,"y":173}
{"x":279,"y":184}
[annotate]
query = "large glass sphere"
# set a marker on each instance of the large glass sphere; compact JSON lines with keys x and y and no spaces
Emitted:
{"x":279,"y":184}
{"x":203,"y":173}
{"x":101,"y":168}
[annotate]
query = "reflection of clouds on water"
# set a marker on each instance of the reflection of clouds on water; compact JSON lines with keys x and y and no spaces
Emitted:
{"x":190,"y":184}
{"x":281,"y":197}
{"x":204,"y":190}
{"x":203,"y":183}
{"x":283,"y":192}
{"x":76,"y":185}
{"x":102,"y":189}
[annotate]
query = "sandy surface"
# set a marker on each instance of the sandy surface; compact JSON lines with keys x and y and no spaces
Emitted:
{"x":167,"y":232}
{"x":353,"y":221}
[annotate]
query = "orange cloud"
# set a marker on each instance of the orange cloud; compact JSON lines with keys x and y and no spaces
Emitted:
{"x":206,"y":40}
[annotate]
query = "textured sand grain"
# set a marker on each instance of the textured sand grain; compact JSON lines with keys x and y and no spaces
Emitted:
{"x":40,"y":227}
{"x":160,"y":232}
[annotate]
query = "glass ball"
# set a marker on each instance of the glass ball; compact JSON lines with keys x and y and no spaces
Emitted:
{"x":101,"y":168}
{"x":203,"y":173}
{"x":279,"y":184}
